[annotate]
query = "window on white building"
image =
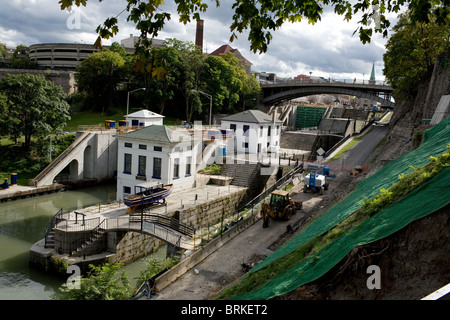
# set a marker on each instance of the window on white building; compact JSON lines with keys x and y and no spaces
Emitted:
{"x":157,"y":168}
{"x":261,"y":130}
{"x":155,"y":148}
{"x":142,"y":165}
{"x":127,"y":163}
{"x":126,"y":190}
{"x":188,"y":166}
{"x":128,"y":145}
{"x":245,"y":129}
{"x":176,"y":168}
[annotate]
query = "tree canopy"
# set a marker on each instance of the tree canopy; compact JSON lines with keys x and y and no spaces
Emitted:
{"x":261,"y":17}
{"x":411,"y":52}
{"x":31,"y":106}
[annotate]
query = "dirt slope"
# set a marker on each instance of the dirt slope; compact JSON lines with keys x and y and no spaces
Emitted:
{"x":413,"y":263}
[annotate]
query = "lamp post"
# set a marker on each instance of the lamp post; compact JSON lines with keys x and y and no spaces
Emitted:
{"x":210,"y":103}
{"x":128,"y":99}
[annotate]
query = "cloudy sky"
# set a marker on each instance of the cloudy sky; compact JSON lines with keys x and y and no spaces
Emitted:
{"x":326,"y":49}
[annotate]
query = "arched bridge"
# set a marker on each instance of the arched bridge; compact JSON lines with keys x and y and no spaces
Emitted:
{"x":164,"y":228}
{"x":280,"y":90}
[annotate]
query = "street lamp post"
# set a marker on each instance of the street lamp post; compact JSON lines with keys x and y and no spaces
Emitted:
{"x":128,"y":99}
{"x":210,"y":103}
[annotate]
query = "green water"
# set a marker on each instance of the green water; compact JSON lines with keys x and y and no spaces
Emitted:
{"x":22,"y":223}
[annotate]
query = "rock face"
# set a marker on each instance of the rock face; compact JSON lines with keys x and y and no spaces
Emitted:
{"x":407,"y":125}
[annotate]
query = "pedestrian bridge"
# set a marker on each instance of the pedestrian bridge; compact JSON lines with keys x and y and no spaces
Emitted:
{"x":279,"y":90}
{"x":93,"y":155}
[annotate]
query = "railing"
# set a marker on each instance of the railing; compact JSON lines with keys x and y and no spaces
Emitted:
{"x":51,"y":226}
{"x":165,"y":228}
{"x":55,"y":162}
{"x":170,"y":223}
{"x":323,"y":81}
{"x":278,"y":184}
{"x":92,"y":236}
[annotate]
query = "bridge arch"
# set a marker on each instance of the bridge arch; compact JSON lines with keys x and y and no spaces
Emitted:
{"x":274,"y":94}
{"x":88,"y":163}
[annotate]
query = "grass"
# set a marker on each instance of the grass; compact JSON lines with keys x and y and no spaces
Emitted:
{"x":386,"y":197}
{"x":348,"y":146}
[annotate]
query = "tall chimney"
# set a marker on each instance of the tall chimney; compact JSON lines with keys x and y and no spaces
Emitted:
{"x":199,"y":35}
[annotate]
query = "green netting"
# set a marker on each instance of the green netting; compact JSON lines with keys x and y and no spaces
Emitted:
{"x":309,"y":117}
{"x":425,"y":200}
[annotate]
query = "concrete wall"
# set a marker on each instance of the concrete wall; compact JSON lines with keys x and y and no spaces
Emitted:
{"x":95,"y":157}
{"x":297,"y":140}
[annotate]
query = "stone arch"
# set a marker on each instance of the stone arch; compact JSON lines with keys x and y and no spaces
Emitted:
{"x":88,"y":162}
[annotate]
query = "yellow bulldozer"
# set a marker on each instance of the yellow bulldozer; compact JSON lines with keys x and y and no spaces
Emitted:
{"x":280,"y":207}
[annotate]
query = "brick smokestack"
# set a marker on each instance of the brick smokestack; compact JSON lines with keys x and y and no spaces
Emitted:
{"x":199,"y":35}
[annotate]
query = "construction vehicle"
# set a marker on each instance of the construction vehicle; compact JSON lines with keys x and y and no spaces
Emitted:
{"x":315,"y":182}
{"x":280,"y":207}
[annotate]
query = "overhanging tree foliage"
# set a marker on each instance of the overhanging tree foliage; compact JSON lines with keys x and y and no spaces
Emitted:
{"x":261,"y":17}
{"x":411,"y":52}
{"x":34,"y":107}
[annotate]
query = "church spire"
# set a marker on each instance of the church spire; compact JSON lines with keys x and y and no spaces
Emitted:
{"x":372,"y":75}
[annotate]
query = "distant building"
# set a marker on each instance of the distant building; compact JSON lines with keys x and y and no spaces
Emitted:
{"x":226,"y":48}
{"x":255,"y":131}
{"x":130,"y":43}
{"x":144,"y":118}
{"x":153,"y":155}
{"x":264,"y":77}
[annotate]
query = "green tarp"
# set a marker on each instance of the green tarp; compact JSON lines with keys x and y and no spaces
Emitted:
{"x":425,"y":200}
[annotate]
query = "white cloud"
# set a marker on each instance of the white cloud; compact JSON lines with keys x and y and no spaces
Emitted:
{"x":326,"y":49}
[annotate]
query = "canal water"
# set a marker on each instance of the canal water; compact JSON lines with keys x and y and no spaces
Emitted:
{"x":23,"y":222}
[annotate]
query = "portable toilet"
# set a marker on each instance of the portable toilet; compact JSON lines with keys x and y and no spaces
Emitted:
{"x":326,"y":171}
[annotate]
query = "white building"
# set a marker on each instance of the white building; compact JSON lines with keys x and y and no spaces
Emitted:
{"x":155,"y":154}
{"x":144,"y":118}
{"x":255,"y":132}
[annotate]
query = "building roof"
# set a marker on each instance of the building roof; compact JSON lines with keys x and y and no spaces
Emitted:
{"x":224,"y":49}
{"x":158,"y":134}
{"x":145,"y":114}
{"x":251,"y":116}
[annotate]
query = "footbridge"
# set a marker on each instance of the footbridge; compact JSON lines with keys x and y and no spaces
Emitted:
{"x":280,"y":90}
{"x":167,"y":229}
{"x":71,"y":233}
{"x":93,"y":154}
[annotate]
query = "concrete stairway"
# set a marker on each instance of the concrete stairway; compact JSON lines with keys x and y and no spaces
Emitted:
{"x":243,"y":174}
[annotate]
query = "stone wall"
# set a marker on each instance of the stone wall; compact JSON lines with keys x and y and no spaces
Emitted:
{"x":130,"y":246}
{"x":212,"y":212}
{"x":65,"y":79}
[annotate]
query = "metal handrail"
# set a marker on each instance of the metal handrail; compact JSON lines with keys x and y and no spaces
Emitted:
{"x":51,"y":226}
{"x":95,"y":233}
